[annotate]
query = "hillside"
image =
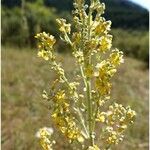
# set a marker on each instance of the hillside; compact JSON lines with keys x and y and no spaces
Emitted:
{"x":123,"y":13}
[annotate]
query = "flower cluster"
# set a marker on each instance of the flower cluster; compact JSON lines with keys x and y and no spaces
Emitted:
{"x":45,"y":45}
{"x":105,"y":71}
{"x":77,"y":113}
{"x":116,"y":119}
{"x":63,"y":26}
{"x":105,"y":43}
{"x":63,"y":118}
{"x":45,"y":136}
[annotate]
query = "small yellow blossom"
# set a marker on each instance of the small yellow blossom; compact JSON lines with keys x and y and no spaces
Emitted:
{"x":63,"y":26}
{"x":105,"y":43}
{"x":103,"y":87}
{"x":116,"y":57}
{"x":95,"y":147}
{"x":45,"y":95}
{"x":122,"y":128}
{"x":79,"y":56}
{"x":131,"y":113}
{"x":112,"y":139}
{"x":117,"y":119}
{"x":45,"y":45}
{"x":51,"y":40}
{"x":91,"y":44}
{"x":60,"y":95}
{"x":101,"y":117}
{"x":102,"y":27}
{"x":68,"y":127}
{"x":44,"y":54}
{"x":45,"y":39}
{"x":45,"y":138}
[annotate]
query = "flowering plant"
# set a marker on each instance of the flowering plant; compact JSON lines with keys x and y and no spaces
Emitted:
{"x":77,"y":114}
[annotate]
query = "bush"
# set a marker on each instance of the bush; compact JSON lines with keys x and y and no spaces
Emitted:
{"x":12,"y":28}
{"x":39,"y":18}
{"x":134,"y":43}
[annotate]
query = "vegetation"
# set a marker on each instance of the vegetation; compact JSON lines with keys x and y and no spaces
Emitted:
{"x":23,"y":111}
{"x":38,"y":17}
{"x":133,"y":43}
{"x":124,"y":14}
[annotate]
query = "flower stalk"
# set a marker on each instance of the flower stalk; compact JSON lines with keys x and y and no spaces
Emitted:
{"x":78,"y":113}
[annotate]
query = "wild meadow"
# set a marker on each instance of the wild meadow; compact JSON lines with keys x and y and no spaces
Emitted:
{"x":24,"y":77}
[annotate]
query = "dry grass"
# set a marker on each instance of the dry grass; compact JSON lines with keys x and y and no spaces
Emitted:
{"x":24,"y":76}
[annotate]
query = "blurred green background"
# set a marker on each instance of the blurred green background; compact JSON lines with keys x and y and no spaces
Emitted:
{"x":24,"y":76}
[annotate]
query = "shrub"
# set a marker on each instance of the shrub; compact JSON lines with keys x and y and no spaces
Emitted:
{"x":12,"y":27}
{"x":134,"y":43}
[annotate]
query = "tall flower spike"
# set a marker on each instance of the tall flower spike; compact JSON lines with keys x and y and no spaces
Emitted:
{"x":79,"y":109}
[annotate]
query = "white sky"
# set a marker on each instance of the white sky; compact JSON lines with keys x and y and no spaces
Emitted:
{"x":144,"y":3}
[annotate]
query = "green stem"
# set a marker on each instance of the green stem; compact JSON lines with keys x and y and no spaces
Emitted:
{"x":82,"y":121}
{"x":95,"y":115}
{"x":83,"y":76}
{"x":89,"y":110}
{"x":89,"y":97}
{"x":68,"y":39}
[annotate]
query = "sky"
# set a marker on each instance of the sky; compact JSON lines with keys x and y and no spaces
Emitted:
{"x":144,"y":3}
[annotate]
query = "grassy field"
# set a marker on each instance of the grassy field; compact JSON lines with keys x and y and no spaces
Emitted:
{"x":24,"y":76}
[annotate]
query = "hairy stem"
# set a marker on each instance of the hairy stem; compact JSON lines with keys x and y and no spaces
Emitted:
{"x":89,"y":97}
{"x":89,"y":110}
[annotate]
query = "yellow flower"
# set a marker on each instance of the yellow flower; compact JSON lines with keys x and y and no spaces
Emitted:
{"x":63,"y":26}
{"x":45,"y":138}
{"x":60,"y":95}
{"x":105,"y":70}
{"x":68,"y":106}
{"x":51,"y":40}
{"x":102,"y":27}
{"x":45,"y":39}
{"x":91,"y":44}
{"x":79,"y":56}
{"x":44,"y":54}
{"x":80,"y":138}
{"x":131,"y":113}
{"x":45,"y":45}
{"x":117,"y":119}
{"x":112,"y":139}
{"x":122,"y":128}
{"x":103,"y":87}
{"x":95,"y":147}
{"x":105,"y":43}
{"x":68,"y":127}
{"x":101,"y":117}
{"x":116,"y":57}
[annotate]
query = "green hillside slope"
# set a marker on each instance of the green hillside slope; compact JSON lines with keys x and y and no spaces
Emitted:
{"x":123,"y":13}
